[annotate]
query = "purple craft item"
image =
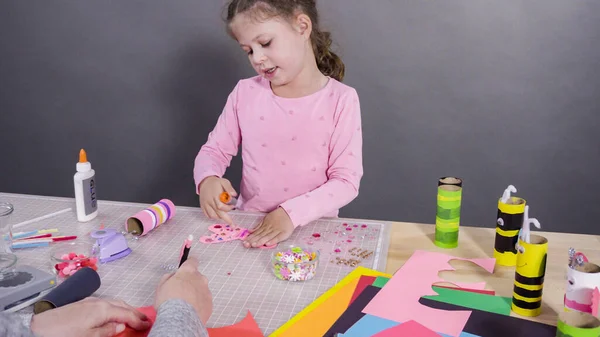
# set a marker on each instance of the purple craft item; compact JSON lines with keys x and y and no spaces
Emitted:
{"x":111,"y":245}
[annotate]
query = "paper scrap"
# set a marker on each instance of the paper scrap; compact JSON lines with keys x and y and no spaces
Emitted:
{"x":368,"y":326}
{"x":488,"y":324}
{"x":495,"y":304}
{"x":352,"y":276}
{"x":381,"y":281}
{"x":354,"y":312}
{"x":247,"y":327}
{"x":316,"y":322}
{"x":413,"y":281}
{"x":363,"y":282}
{"x":407,"y":329}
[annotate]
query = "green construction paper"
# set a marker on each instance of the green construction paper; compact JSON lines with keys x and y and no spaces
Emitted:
{"x":380,"y":281}
{"x":490,"y":303}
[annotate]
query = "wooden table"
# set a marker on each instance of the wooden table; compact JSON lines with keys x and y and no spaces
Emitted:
{"x":476,"y":242}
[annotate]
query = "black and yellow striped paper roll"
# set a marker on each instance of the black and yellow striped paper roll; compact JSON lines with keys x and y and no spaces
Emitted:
{"x":509,"y":221}
{"x":447,"y":218}
{"x":529,"y":276}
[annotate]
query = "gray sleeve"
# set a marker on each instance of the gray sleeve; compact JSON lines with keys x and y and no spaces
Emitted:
{"x":177,"y":318}
{"x":15,"y":325}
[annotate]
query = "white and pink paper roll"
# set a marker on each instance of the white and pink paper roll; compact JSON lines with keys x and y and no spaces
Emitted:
{"x":150,"y":218}
{"x":582,"y":288}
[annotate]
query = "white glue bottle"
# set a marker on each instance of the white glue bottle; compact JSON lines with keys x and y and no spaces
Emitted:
{"x":85,"y":189}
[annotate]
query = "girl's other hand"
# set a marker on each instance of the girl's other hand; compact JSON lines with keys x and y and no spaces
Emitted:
{"x":274,"y":228}
{"x":210,"y":190}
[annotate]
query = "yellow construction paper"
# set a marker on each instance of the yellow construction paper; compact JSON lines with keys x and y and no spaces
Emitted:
{"x":317,"y":317}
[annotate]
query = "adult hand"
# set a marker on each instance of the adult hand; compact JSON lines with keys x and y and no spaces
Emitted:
{"x":209,"y":191}
{"x":189,"y":285}
{"x":274,"y":228}
{"x":89,"y":317}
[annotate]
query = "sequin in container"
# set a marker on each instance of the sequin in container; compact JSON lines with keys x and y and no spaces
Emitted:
{"x":295,"y":264}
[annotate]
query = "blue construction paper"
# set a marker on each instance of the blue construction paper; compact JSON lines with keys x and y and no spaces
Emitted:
{"x":370,"y":325}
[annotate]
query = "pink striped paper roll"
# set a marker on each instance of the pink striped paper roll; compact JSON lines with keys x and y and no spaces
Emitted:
{"x":150,"y":218}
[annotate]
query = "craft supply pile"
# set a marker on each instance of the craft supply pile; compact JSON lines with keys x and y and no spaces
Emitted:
{"x":326,"y":280}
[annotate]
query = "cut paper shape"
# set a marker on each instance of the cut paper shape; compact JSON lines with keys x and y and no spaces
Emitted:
{"x":488,"y":324}
{"x":413,"y":281}
{"x":407,"y":329}
{"x":247,"y":327}
{"x":381,"y":281}
{"x":495,"y":304}
{"x":225,"y":233}
{"x":363,"y":282}
{"x":341,"y":305}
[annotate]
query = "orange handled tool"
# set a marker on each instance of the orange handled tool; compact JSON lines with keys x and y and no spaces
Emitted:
{"x":225,"y":198}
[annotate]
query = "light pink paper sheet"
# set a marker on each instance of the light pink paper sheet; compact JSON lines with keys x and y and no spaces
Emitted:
{"x":399,"y":299}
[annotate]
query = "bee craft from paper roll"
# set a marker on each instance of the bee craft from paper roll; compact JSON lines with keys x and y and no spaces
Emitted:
{"x":577,"y":324}
{"x":150,"y":218}
{"x":583,"y":283}
{"x":529,"y":276}
{"x":447,"y":218}
{"x":509,"y":221}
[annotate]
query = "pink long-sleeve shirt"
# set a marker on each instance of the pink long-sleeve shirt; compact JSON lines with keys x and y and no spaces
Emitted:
{"x":302,"y":154}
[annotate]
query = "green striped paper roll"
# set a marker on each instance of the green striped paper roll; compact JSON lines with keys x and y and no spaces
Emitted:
{"x":577,"y":324}
{"x":447,"y":217}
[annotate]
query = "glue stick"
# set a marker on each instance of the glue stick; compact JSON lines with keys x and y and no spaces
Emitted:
{"x":85,"y":189}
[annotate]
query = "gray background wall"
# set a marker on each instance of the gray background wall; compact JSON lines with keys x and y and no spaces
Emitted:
{"x":496,"y":92}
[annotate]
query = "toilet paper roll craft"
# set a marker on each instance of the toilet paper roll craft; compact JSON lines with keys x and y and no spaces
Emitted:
{"x":530,"y":271}
{"x":78,"y":286}
{"x":582,"y":285}
{"x":447,"y":219}
{"x":150,"y":218}
{"x":225,"y":233}
{"x":509,"y":221}
{"x":577,"y":324}
{"x":110,"y":244}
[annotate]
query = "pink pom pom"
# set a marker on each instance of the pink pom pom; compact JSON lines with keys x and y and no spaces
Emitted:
{"x":65,"y":257}
{"x":72,"y":272}
{"x":81,"y":256}
{"x":93,"y":260}
{"x":72,"y":256}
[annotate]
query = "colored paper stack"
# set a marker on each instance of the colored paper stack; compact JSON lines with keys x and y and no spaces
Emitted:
{"x":370,"y":303}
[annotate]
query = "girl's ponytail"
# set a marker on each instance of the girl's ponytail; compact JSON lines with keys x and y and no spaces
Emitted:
{"x":329,"y":63}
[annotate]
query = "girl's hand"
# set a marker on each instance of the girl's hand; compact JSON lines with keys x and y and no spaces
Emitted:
{"x":210,"y":189}
{"x":89,"y":317}
{"x":274,"y":228}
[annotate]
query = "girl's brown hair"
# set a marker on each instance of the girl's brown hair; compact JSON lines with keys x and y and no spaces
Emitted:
{"x":328,"y":62}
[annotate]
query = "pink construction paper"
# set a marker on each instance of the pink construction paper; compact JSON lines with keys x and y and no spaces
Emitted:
{"x":399,"y":299}
{"x":408,"y":329}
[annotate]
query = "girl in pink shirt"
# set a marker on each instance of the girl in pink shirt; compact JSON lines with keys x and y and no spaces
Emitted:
{"x":298,"y":126}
